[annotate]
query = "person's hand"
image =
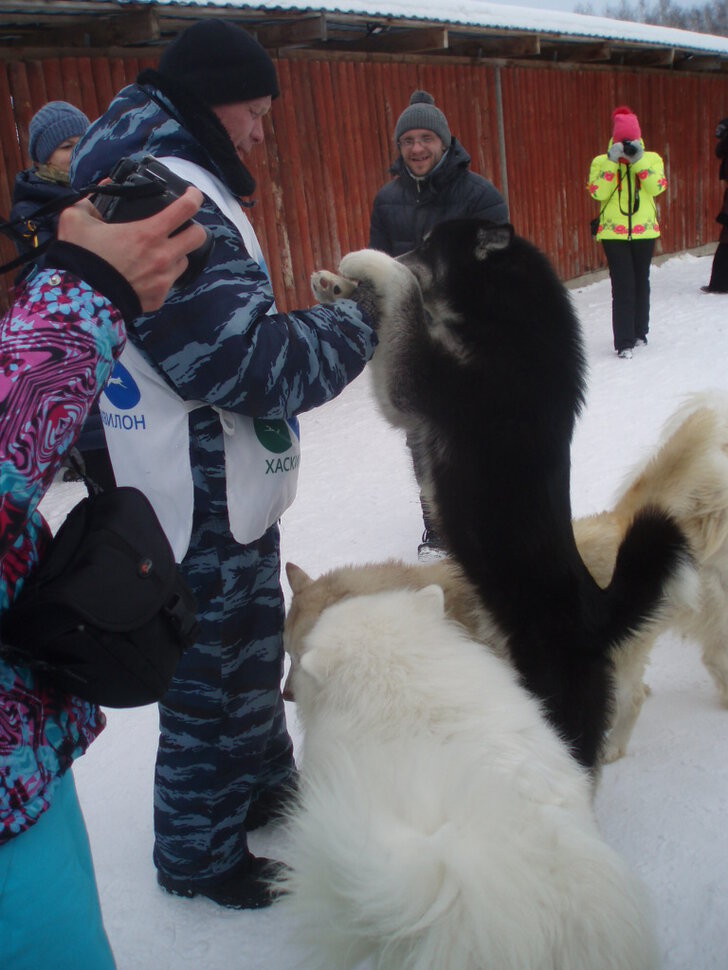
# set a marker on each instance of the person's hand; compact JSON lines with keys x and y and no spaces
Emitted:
{"x":616,"y":150}
{"x":144,"y":252}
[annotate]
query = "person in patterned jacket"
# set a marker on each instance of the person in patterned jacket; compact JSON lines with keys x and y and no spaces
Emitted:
{"x":202,"y":418}
{"x":59,"y":341}
{"x":625,"y":181}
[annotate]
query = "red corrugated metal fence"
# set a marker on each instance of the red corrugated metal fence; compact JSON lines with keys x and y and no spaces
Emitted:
{"x":329,"y":146}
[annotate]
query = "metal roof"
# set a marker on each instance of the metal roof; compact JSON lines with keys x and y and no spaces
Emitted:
{"x":460,"y":28}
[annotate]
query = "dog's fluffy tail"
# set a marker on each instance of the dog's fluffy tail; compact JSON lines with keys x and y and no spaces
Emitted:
{"x":402,"y":856}
{"x":653,"y":563}
{"x":365,"y":882}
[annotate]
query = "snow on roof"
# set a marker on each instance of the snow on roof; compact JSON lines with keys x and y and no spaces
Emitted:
{"x":477,"y":13}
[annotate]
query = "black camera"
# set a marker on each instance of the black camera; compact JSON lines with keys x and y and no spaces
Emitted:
{"x":141,"y":188}
{"x":629,"y":149}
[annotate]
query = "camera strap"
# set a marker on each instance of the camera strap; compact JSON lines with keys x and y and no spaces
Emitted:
{"x":633,"y":203}
{"x":25,"y":229}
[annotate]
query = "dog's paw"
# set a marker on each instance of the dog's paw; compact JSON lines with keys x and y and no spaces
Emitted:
{"x":612,"y":752}
{"x":328,"y":287}
{"x":371,"y":265}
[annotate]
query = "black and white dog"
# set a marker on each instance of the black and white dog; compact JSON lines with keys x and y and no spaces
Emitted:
{"x":480,"y":360}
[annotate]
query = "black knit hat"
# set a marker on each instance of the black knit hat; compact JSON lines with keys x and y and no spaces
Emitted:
{"x":221,"y":63}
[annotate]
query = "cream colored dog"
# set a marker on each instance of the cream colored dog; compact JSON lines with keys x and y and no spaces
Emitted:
{"x":312,"y":596}
{"x":687,"y":476}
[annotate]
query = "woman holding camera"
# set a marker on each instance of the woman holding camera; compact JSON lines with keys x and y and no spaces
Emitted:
{"x":625,"y":182}
{"x":60,"y":340}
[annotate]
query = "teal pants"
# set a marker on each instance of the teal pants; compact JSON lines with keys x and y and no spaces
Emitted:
{"x":50,"y":915}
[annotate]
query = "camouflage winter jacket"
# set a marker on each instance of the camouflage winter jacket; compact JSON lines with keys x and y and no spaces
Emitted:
{"x":57,"y":347}
{"x":215,"y":341}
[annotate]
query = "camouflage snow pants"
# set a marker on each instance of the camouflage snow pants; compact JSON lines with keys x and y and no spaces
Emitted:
{"x":223,"y":736}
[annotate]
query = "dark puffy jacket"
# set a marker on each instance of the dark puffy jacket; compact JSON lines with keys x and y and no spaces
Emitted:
{"x":30,"y":192}
{"x":407,"y":208}
{"x":721,"y":151}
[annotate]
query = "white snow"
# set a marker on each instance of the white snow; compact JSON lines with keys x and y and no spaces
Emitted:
{"x":663,"y":807}
{"x":545,"y":16}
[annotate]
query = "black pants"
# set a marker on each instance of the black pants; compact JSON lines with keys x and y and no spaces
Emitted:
{"x":427,"y":516}
{"x":629,"y":270}
{"x":719,"y":271}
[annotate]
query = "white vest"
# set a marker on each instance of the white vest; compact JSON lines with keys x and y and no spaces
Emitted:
{"x":147,"y":431}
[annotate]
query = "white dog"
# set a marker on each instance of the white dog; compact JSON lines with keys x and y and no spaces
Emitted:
{"x":442,"y":823}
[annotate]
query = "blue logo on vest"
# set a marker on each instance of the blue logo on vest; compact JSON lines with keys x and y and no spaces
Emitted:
{"x":121,"y":389}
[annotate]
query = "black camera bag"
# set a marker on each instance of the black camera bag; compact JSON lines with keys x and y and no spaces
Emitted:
{"x":106,"y":614}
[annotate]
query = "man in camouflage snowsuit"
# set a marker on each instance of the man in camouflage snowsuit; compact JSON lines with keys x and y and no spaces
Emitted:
{"x":219,"y":363}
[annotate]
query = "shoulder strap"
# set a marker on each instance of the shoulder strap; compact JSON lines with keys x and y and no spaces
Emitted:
{"x":609,"y":199}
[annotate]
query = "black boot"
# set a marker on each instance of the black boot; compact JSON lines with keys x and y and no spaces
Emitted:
{"x":248,"y":886}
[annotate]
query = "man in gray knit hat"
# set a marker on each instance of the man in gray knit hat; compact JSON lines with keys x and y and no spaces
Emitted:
{"x":433,"y":182}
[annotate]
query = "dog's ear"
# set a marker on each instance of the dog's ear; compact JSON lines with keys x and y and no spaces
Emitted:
{"x":433,"y":598}
{"x":492,"y":239}
{"x":297,"y":578}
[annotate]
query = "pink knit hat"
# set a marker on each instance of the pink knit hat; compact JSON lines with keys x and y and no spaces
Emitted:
{"x":626,"y":125}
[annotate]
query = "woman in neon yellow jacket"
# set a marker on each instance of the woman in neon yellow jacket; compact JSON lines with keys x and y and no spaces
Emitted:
{"x":625,"y":181}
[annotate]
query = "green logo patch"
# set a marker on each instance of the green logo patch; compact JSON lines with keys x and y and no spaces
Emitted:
{"x":273,"y":433}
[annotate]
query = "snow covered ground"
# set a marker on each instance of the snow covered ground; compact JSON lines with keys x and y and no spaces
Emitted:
{"x":663,"y":807}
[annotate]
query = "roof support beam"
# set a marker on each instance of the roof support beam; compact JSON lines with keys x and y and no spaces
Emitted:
{"x":293,"y":33}
{"x":498,"y":47}
{"x":119,"y":30}
{"x":403,"y":42}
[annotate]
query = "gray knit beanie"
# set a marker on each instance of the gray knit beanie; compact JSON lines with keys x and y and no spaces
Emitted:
{"x":422,"y":113}
{"x":50,"y":126}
